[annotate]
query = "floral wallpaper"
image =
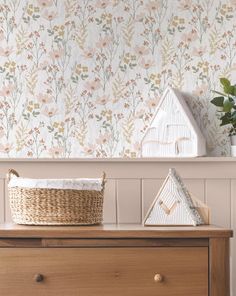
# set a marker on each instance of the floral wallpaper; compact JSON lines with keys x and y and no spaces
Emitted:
{"x":83,"y":78}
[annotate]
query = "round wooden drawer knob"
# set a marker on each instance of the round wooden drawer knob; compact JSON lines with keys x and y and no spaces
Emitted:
{"x":38,"y":278}
{"x":158,"y":278}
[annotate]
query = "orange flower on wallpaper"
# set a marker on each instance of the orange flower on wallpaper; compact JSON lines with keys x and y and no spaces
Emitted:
{"x":104,"y":42}
{"x":152,"y":103}
{"x":6,"y":52}
{"x":44,"y":98}
{"x":49,"y":15}
{"x":200,"y":51}
{"x":7,"y":90}
{"x":185,"y":4}
{"x":141,"y":50}
{"x":102,"y":100}
{"x":153,"y":5}
{"x":93,"y":85}
{"x":89,"y":53}
{"x":56,"y":53}
{"x":50,"y":112}
{"x":200,"y":90}
{"x":147,"y":63}
{"x":55,"y":151}
{"x":103,"y":138}
{"x":102,"y":3}
{"x":6,"y":148}
{"x":190,"y":37}
{"x":45,"y":3}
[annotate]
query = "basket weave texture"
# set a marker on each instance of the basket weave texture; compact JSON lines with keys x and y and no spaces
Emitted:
{"x":48,"y":206}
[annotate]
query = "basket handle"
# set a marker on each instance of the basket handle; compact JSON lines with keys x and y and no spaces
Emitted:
{"x":103,"y":180}
{"x":12,"y":172}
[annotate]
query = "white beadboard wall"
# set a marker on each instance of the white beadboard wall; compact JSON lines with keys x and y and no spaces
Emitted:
{"x":133,"y":183}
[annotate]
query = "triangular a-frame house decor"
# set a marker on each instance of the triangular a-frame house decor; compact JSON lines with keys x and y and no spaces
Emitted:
{"x":174,"y":205}
{"x":173,"y":131}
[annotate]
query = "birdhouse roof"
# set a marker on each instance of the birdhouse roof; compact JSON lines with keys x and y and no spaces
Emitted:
{"x":180,"y":101}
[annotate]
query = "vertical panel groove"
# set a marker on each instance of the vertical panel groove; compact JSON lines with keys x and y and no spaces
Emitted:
{"x":205,"y":191}
{"x":116,"y":200}
{"x":230,"y":202}
{"x":4,"y":201}
{"x":141,"y":200}
{"x":2,"y":211}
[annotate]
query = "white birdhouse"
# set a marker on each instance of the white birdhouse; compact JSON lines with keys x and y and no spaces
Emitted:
{"x":173,"y":131}
{"x":174,"y":205}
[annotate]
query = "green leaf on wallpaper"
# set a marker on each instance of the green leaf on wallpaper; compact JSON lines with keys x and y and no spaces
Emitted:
{"x":147,"y":81}
{"x":35,"y":17}
{"x":84,"y":76}
{"x":26,"y":19}
{"x":99,"y":118}
{"x":75,"y":79}
{"x":35,"y":113}
{"x":154,"y":87}
{"x":26,"y":116}
{"x":50,"y":129}
{"x":132,"y":65}
{"x":98,"y":21}
{"x":57,"y":39}
{"x":123,"y":68}
{"x":218,"y":101}
{"x":50,"y":32}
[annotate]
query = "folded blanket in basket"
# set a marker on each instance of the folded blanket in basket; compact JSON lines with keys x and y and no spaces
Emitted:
{"x":79,"y":184}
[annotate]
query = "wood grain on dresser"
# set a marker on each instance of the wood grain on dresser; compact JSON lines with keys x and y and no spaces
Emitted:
{"x":114,"y":260}
{"x":105,"y":271}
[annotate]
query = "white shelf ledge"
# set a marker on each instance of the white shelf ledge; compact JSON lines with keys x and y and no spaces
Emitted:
{"x":127,"y":160}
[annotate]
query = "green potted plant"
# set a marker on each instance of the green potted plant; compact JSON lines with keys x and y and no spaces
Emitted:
{"x":226,"y":103}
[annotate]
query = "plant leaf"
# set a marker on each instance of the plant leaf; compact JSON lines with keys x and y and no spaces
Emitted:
{"x":233,"y":116}
{"x":228,"y":105}
{"x":225,"y":119}
{"x":225,"y":82}
{"x":228,"y":88}
{"x":218,"y":101}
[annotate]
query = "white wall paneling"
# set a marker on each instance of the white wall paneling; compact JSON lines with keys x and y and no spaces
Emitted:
{"x":2,"y":201}
{"x":218,"y":199}
{"x":129,"y":201}
{"x":133,"y":184}
{"x":110,"y":200}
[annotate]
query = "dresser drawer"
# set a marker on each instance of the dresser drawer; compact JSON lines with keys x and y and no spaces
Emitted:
{"x":164,"y":271}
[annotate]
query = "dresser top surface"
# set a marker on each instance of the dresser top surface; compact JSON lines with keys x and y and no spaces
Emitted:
{"x":112,"y":231}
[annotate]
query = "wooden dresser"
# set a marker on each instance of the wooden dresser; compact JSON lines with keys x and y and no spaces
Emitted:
{"x":117,"y":260}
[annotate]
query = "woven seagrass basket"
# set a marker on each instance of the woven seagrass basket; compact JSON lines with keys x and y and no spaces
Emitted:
{"x":48,"y":206}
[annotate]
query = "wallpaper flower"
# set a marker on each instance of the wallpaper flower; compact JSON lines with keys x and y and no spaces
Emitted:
{"x":83,"y":78}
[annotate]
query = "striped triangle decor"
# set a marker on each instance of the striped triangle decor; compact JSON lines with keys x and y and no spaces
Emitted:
{"x":174,"y":205}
